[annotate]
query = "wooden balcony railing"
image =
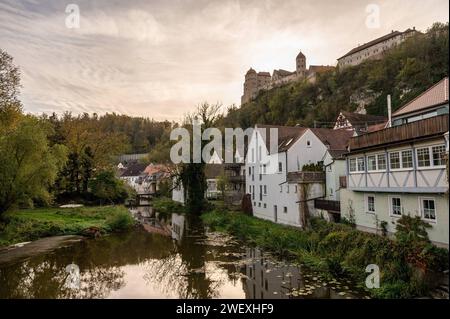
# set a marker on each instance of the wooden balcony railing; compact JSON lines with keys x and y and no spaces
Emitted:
{"x":432,"y":126}
{"x":328,"y":205}
{"x":306,"y":177}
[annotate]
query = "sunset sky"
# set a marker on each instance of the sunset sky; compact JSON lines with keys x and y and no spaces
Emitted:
{"x":161,"y":58}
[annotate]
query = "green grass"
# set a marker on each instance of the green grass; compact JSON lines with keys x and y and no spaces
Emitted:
{"x":336,"y":250}
{"x":31,"y":224}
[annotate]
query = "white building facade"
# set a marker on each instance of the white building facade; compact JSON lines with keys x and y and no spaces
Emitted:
{"x":275,"y":179}
{"x":401,"y":170}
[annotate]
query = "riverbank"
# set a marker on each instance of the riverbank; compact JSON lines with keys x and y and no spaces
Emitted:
{"x":31,"y":224}
{"x":339,"y":250}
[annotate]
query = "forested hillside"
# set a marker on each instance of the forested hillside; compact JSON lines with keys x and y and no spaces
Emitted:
{"x":404,"y":72}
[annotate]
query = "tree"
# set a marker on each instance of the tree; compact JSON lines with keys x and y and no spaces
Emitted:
{"x":192,"y":175}
{"x":222,"y":183}
{"x":91,"y":148}
{"x":106,"y":187}
{"x":28,"y":164}
{"x":10,"y":106}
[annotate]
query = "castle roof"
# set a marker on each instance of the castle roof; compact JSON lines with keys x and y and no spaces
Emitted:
{"x":263,"y":73}
{"x":300,"y":54}
{"x":251,"y":70}
{"x":376,"y":41}
{"x":282,"y":72}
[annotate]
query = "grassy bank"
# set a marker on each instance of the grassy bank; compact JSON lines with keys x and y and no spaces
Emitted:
{"x":31,"y":224}
{"x":339,"y":250}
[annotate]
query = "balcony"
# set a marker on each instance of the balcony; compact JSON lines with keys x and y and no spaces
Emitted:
{"x":233,"y":166}
{"x":328,"y":205}
{"x":306,"y":177}
{"x":433,"y":126}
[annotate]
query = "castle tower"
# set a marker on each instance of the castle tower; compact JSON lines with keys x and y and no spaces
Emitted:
{"x":300,"y":65}
{"x":250,"y":86}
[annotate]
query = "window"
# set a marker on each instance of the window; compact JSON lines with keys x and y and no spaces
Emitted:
{"x":371,"y":163}
{"x":265,"y":205}
{"x":295,"y":189}
{"x":352,"y":165}
{"x":265,"y":189}
{"x":428,"y":208}
{"x":264,"y":169}
{"x":407,"y":159}
{"x":249,"y":171}
{"x":394,"y":160}
{"x":281,"y":188}
{"x":250,"y":189}
{"x":396,"y":206}
{"x":381,"y":158}
{"x":287,"y":189}
{"x":280,"y":167}
{"x":438,"y":155}
{"x":361,"y":167}
{"x":308,"y":143}
{"x":285,"y":209}
{"x":370,"y":204}
{"x":423,"y":157}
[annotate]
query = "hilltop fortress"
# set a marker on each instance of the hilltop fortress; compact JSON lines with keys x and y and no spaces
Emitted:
{"x":257,"y":81}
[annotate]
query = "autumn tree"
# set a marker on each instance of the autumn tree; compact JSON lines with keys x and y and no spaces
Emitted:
{"x":28,"y":164}
{"x":10,"y":106}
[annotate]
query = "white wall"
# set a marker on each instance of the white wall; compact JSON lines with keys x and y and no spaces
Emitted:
{"x":355,"y":203}
{"x":280,"y":193}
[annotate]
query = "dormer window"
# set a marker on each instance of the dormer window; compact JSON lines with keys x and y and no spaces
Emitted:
{"x":308,"y":143}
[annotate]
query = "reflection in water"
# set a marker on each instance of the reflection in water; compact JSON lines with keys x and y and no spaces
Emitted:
{"x":189,"y":262}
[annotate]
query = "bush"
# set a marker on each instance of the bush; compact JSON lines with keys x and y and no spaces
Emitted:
{"x":339,"y":250}
{"x":120,"y":221}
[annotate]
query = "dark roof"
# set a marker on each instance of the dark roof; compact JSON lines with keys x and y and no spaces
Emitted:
{"x":263,"y":74}
{"x":213,"y":170}
{"x":335,"y":140}
{"x":300,"y":54}
{"x":362,"y":119}
{"x":434,"y":96}
{"x":134,"y":169}
{"x":287,"y":135}
{"x":282,"y":72}
{"x":376,"y":41}
{"x":337,"y":154}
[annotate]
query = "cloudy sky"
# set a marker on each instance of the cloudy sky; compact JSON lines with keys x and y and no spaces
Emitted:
{"x":161,"y":58}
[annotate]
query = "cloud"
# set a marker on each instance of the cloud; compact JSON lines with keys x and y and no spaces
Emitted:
{"x":161,"y":58}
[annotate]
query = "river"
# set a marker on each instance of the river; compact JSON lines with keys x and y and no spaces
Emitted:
{"x":175,"y":258}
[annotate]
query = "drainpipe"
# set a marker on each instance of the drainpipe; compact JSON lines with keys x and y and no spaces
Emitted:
{"x":389,"y":110}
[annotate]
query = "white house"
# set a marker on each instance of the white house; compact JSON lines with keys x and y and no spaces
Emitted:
{"x":401,"y":169}
{"x":134,"y":174}
{"x":280,"y":188}
{"x":212,"y":174}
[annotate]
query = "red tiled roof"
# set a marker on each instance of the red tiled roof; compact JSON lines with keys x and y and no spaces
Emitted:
{"x":334,"y":139}
{"x":435,"y":95}
{"x":357,"y":119}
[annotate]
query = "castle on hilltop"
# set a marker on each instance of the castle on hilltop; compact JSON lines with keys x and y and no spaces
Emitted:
{"x":257,"y":81}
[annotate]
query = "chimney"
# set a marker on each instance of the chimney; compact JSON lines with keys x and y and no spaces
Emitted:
{"x":389,"y":110}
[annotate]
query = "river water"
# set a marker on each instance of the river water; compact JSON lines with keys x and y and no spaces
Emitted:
{"x":173,"y":258}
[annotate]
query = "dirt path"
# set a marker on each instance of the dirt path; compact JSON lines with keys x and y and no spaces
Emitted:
{"x":18,"y":252}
